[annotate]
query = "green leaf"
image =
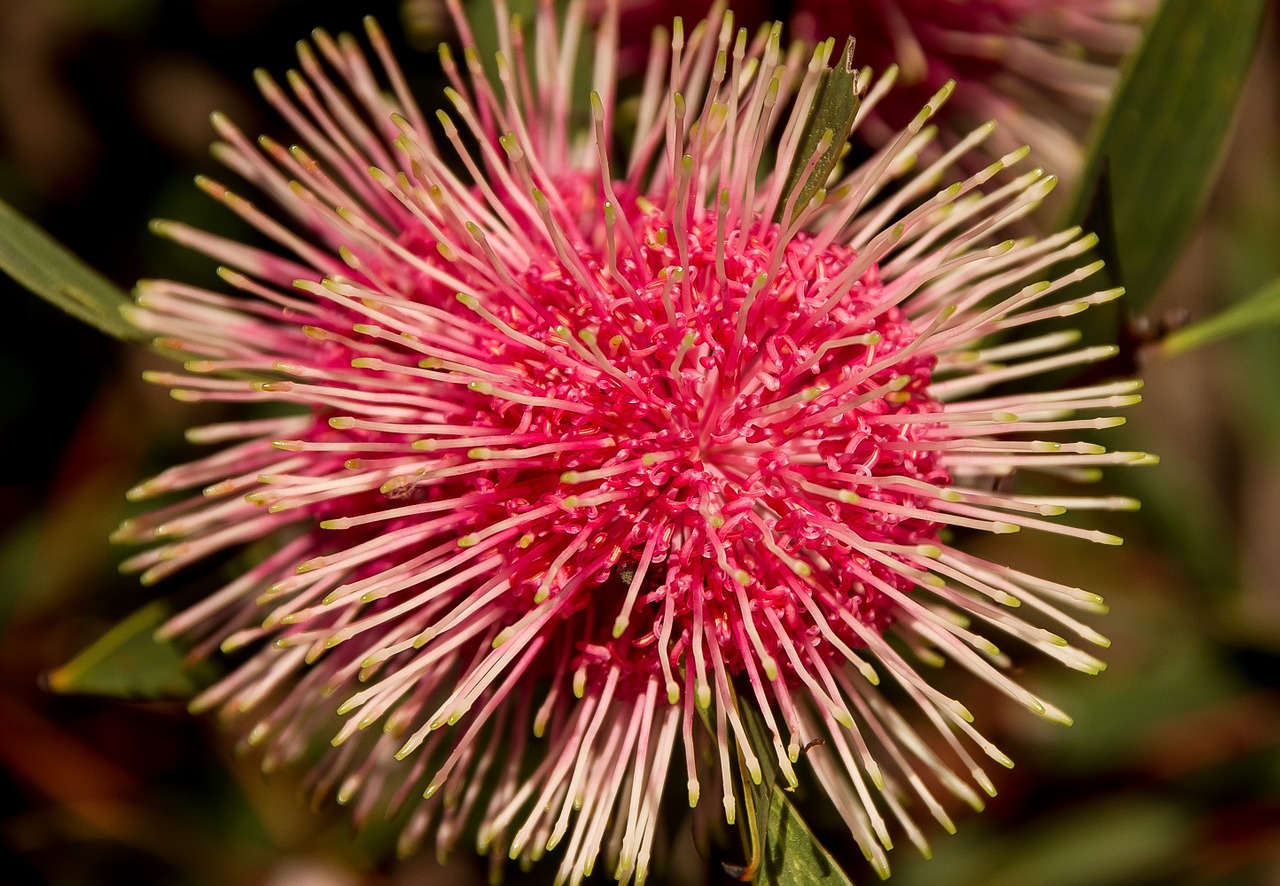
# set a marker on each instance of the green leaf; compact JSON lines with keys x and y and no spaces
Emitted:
{"x":1258,"y":310}
{"x":1164,"y":132}
{"x":788,"y":854}
{"x":48,"y":269}
{"x":128,"y":662}
{"x":831,"y":120}
{"x":792,"y":855}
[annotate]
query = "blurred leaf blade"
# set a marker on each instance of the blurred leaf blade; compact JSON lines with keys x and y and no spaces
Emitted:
{"x":46,"y":267}
{"x":128,"y":662}
{"x":1131,"y":837}
{"x":1165,"y":131}
{"x":1258,"y":310}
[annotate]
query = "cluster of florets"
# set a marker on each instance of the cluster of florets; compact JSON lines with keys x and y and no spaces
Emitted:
{"x":578,"y":459}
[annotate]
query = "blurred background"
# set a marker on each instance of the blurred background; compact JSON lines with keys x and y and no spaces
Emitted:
{"x":1171,"y":773}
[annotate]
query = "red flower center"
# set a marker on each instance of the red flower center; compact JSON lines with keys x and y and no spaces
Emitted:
{"x":692,"y":436}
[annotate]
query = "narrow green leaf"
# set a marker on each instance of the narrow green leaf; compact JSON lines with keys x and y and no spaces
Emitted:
{"x":128,"y":662}
{"x":1164,"y":133}
{"x":785,"y":851}
{"x":792,"y":854}
{"x":48,"y":269}
{"x":831,"y":118}
{"x":1258,"y":310}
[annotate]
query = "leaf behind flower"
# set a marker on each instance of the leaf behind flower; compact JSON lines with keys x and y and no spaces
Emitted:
{"x":51,"y":271}
{"x":128,"y":662}
{"x":785,"y":851}
{"x":834,"y":108}
{"x":1164,"y":133}
{"x":1255,"y":312}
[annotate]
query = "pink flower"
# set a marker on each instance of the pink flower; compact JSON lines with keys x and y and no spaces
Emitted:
{"x":1044,"y":69}
{"x":568,"y":451}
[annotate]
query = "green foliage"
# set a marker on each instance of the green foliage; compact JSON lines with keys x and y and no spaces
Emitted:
{"x":44,"y":266}
{"x":830,"y":120}
{"x":1258,"y":310}
{"x":792,"y":855}
{"x":129,"y":662}
{"x":1129,"y":839}
{"x":784,"y":852}
{"x":1165,"y":130}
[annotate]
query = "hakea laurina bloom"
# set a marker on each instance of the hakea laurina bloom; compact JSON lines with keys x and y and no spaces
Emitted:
{"x":590,"y":455}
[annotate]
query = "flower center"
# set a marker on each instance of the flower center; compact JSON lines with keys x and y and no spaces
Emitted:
{"x":701,"y":425}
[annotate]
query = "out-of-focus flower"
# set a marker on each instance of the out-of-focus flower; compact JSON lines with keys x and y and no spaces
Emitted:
{"x":1044,"y":69}
{"x":556,"y":457}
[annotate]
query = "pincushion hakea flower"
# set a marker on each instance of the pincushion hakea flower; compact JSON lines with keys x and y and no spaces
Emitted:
{"x":584,"y":445}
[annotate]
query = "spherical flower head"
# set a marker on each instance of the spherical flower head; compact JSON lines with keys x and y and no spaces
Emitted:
{"x":579,"y":462}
